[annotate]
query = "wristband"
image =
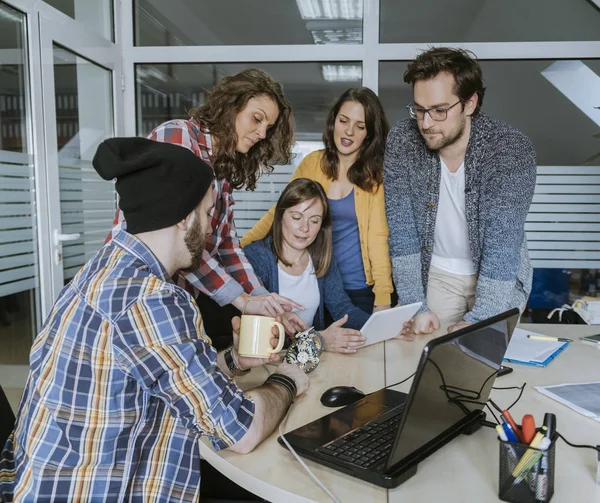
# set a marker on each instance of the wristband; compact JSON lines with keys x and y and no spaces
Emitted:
{"x":285,"y":381}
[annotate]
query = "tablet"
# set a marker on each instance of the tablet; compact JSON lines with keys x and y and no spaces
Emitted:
{"x":387,"y":324}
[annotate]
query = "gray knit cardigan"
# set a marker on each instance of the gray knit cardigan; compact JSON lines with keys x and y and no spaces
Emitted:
{"x":500,"y":172}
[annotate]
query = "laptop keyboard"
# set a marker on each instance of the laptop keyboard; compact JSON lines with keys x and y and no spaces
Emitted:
{"x":367,"y":445}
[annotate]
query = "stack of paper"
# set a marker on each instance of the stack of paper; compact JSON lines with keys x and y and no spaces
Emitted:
{"x":581,"y":397}
{"x":531,"y":351}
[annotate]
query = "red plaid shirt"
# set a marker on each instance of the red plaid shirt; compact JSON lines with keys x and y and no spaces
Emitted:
{"x":225,"y":273}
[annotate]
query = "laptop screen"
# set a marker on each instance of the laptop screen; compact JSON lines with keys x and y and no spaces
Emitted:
{"x":456,"y":378}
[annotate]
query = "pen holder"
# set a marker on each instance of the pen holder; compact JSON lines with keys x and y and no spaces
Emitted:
{"x":526,"y":474}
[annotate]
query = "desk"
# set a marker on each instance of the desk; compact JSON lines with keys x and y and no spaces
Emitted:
{"x":464,"y":470}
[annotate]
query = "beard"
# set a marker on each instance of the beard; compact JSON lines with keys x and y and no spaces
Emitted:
{"x":195,"y":242}
{"x":442,"y":140}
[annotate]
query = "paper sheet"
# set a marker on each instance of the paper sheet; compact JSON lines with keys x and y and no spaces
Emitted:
{"x":581,"y":397}
{"x":593,"y":307}
{"x":523,"y":349}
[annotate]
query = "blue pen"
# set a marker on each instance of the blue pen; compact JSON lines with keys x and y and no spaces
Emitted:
{"x":510,"y":434}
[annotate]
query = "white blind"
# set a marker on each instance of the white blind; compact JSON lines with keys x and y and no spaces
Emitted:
{"x":18,"y":264}
{"x":250,"y":206}
{"x":87,"y":206}
{"x":563,"y":225}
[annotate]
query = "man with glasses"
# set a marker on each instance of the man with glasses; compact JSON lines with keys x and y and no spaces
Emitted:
{"x":458,"y":186}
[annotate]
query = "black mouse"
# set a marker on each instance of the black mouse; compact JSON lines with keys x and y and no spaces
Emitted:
{"x":339,"y":396}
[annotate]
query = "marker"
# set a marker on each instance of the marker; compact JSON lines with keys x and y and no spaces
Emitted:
{"x":527,"y":428}
{"x":550,"y":424}
{"x":548,"y":339}
{"x":514,"y":458}
{"x":531,"y":457}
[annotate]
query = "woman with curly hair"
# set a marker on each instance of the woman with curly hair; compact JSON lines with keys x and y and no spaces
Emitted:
{"x":350,"y":171}
{"x":243,"y":129}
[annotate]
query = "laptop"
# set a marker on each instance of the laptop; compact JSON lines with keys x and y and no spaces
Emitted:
{"x":382,"y":437}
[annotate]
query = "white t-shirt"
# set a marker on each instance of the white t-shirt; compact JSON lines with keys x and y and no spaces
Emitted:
{"x":451,"y":250}
{"x":302,"y":289}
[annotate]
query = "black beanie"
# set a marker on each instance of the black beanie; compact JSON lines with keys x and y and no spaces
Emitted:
{"x":159,"y":184}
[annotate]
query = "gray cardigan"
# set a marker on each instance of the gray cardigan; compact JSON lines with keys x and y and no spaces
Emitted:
{"x":500,"y":172}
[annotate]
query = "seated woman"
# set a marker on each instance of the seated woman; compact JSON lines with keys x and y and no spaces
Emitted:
{"x":296,"y":260}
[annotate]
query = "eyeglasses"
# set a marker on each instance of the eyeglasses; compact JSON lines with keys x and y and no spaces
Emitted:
{"x":437,"y":114}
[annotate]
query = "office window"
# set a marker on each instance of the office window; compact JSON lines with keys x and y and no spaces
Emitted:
{"x":235,"y":22}
{"x":553,"y":102}
{"x":19,"y":279}
{"x":431,"y":21}
{"x":550,"y":101}
{"x":95,"y":14}
{"x":167,"y":91}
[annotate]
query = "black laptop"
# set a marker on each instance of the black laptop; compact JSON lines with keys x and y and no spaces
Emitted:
{"x":382,"y":437}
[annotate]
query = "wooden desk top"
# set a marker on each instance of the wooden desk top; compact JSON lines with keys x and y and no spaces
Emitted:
{"x":464,"y":470}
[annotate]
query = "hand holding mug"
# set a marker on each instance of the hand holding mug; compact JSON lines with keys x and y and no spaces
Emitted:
{"x":244,"y":362}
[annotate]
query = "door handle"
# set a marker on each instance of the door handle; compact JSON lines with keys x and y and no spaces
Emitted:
{"x":59,"y":237}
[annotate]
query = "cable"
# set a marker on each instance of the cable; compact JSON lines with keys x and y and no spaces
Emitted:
{"x":521,"y":388}
{"x":402,"y":381}
{"x":291,"y":449}
{"x":518,"y":398}
{"x":579,"y":446}
{"x":492,"y":411}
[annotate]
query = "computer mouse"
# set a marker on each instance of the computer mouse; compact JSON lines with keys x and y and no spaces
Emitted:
{"x":339,"y":396}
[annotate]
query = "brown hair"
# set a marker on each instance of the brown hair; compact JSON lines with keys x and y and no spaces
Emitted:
{"x":218,"y":114}
{"x":461,"y":64}
{"x":321,"y":249}
{"x":366,"y":171}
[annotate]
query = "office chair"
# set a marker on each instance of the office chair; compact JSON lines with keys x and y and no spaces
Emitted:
{"x":7,"y":419}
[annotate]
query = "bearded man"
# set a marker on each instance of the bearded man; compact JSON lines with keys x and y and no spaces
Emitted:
{"x":123,"y":382}
{"x":458,"y":186}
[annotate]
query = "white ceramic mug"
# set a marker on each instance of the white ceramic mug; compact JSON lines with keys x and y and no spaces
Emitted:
{"x":256,"y":335}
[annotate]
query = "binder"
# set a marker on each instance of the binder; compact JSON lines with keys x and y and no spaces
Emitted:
{"x":545,"y":363}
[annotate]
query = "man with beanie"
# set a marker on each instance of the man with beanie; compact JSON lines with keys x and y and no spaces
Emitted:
{"x":122,"y":380}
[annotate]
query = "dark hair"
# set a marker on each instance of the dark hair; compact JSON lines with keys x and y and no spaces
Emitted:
{"x":366,"y":171}
{"x":461,"y":64}
{"x":321,"y":249}
{"x":218,"y":114}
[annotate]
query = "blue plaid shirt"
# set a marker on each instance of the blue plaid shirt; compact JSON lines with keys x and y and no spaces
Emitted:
{"x":121,"y":386}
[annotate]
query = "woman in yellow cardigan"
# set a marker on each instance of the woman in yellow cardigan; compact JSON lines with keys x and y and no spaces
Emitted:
{"x":350,"y":171}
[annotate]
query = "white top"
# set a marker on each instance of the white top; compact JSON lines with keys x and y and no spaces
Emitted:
{"x":451,"y":250}
{"x":302,"y":289}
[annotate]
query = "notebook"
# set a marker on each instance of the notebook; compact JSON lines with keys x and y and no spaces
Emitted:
{"x":525,"y":351}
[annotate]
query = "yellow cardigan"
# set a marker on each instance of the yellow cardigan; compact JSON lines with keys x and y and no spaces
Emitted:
{"x":372,"y":227}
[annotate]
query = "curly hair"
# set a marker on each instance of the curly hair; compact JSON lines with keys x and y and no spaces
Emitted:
{"x":228,"y":98}
{"x":367,"y":170}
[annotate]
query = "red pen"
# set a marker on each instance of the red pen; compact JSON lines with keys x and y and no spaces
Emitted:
{"x":527,"y":428}
{"x":508,"y":418}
